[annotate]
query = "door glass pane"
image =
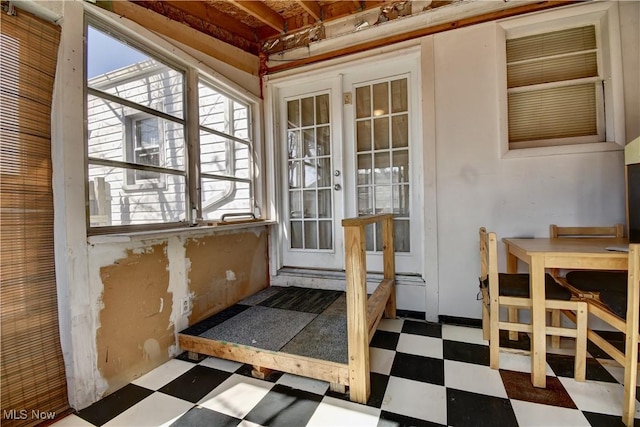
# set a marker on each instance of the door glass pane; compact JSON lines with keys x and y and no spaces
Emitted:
{"x":380,"y":99}
{"x":381,"y":133}
{"x":363,"y":135}
{"x":399,"y":96}
{"x":364,"y":169}
{"x":293,"y":114}
{"x":293,"y":142}
{"x":325,"y":234}
{"x":369,"y":237}
{"x":310,"y":173}
{"x":324,"y":172}
{"x":382,"y":168}
{"x":322,"y":109}
{"x":323,"y":140}
{"x":309,"y":200}
{"x":324,"y":203}
{"x":386,"y":104}
{"x":296,"y":234}
{"x":295,"y":204}
{"x":310,"y":235}
{"x":400,"y":170}
{"x":400,"y":130}
{"x":363,"y":102}
{"x":306,"y":105}
{"x":402,"y":233}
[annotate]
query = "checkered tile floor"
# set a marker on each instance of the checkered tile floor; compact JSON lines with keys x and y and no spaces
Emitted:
{"x":423,"y":374}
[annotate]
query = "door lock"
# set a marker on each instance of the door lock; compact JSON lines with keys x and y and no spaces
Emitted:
{"x":337,"y":172}
{"x":337,"y":187}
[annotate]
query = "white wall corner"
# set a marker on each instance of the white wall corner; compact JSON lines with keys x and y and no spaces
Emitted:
{"x":75,"y":307}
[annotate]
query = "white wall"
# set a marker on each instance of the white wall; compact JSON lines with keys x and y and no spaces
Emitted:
{"x":513,"y":196}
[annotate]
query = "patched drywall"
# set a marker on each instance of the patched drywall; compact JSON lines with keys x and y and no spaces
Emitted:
{"x":223,"y":269}
{"x":135,"y":331}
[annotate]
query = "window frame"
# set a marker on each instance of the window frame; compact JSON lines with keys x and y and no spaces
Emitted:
{"x":193,"y":72}
{"x":604,"y":16}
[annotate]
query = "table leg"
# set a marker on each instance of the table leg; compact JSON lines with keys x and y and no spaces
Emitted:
{"x":538,"y":322}
{"x":512,"y":261}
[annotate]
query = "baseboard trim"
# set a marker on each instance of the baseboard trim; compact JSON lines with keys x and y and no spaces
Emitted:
{"x":410,"y":314}
{"x":460,"y":321}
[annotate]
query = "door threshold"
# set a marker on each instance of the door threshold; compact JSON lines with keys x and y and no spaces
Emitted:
{"x":332,"y":274}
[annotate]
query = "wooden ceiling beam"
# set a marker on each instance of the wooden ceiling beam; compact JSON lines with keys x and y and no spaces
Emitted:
{"x":262,"y":12}
{"x":312,"y":8}
{"x":464,"y":22}
{"x":184,"y":34}
{"x":202,"y":10}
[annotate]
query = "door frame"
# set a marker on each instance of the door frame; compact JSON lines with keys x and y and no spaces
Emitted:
{"x":423,"y":50}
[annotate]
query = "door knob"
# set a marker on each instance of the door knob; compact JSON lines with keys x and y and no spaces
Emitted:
{"x":337,"y":187}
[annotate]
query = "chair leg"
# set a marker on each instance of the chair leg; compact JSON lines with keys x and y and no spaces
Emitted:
{"x":513,"y":318}
{"x":581,"y":342}
{"x":486,"y":327}
{"x":555,"y":321}
{"x":494,"y":341}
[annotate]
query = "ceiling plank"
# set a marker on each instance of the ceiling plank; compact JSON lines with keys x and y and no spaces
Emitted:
{"x":312,"y":8}
{"x":184,"y":34}
{"x":464,"y":22}
{"x":208,"y":14}
{"x":262,"y":12}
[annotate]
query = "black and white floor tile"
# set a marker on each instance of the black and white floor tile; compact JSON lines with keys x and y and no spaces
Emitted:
{"x":423,"y":374}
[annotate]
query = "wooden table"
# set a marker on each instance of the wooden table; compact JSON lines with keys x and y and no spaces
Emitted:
{"x":544,"y":253}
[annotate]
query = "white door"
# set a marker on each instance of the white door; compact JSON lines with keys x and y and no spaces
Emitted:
{"x":311,"y":175}
{"x":350,"y":147}
{"x":385,"y":157}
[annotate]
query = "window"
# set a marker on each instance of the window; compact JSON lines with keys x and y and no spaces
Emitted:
{"x":563,"y":79}
{"x":145,"y":145}
{"x":555,"y":91}
{"x":159,"y":159}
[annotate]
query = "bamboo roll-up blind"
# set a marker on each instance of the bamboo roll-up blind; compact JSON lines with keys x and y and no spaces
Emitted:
{"x":33,"y":375}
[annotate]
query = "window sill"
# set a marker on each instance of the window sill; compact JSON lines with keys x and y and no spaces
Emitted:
{"x":197,"y":231}
{"x":562,"y":149}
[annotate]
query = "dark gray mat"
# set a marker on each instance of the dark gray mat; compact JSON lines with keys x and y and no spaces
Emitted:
{"x":302,"y":299}
{"x":261,"y":327}
{"x":256,"y":299}
{"x":338,"y":307}
{"x":324,"y":338}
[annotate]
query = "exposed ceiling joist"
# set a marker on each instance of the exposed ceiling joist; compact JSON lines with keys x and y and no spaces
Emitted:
{"x":262,"y":12}
{"x":208,"y":14}
{"x":312,"y":8}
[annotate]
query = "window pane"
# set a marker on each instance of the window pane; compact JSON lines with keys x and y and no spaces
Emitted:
{"x":553,"y":113}
{"x":365,"y":201}
{"x":369,"y":231}
{"x":553,"y":43}
{"x":324,"y":204}
{"x":401,"y":200}
{"x":293,"y":114}
{"x":295,"y":174}
{"x":309,"y":142}
{"x":120,"y":133}
{"x":324,"y":172}
{"x":553,"y":70}
{"x":220,"y":196}
{"x":165,"y":202}
{"x":126,"y":72}
{"x":221,"y":156}
{"x":241,"y":121}
{"x":383,"y":199}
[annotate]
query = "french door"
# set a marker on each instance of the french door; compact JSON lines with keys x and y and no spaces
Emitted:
{"x":349,"y":145}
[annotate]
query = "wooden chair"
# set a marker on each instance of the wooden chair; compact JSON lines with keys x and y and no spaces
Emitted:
{"x":617,"y":303}
{"x":616,"y":230}
{"x":512,"y":290}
